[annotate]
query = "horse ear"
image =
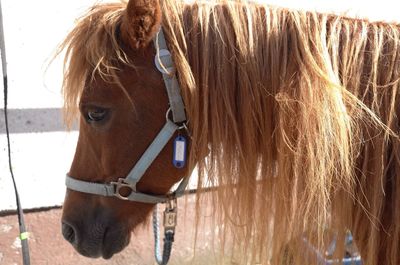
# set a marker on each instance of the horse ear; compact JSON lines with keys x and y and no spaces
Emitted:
{"x":140,"y":22}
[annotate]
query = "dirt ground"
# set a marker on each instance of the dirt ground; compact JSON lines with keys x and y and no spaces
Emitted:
{"x":47,"y":245}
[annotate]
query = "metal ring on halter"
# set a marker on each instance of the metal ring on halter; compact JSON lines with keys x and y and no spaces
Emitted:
{"x":180,"y":127}
{"x":118,"y":185}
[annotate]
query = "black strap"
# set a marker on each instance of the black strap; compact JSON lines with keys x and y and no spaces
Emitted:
{"x":22,"y":229}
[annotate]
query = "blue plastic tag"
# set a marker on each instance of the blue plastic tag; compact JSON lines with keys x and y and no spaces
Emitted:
{"x":179,"y":159}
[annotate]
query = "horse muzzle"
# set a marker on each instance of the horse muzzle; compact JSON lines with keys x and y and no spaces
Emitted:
{"x":96,"y":239}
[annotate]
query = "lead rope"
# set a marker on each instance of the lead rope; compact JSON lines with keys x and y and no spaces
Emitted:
{"x":23,"y":233}
{"x":170,"y":218}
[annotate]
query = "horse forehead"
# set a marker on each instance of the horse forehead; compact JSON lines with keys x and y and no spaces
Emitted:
{"x":138,"y":79}
{"x":100,"y":90}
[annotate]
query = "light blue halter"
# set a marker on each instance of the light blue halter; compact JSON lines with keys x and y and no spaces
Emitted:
{"x":164,"y":63}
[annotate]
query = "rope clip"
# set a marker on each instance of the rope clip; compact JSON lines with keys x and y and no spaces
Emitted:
{"x":170,"y":215}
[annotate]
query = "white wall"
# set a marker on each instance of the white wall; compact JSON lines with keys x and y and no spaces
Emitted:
{"x":41,"y":150}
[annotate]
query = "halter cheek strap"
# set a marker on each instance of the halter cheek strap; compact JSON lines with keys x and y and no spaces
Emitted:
{"x":164,"y":63}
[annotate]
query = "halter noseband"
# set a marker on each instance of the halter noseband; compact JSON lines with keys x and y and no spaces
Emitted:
{"x":165,"y":64}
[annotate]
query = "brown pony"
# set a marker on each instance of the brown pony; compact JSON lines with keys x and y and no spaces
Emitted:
{"x":293,"y":115}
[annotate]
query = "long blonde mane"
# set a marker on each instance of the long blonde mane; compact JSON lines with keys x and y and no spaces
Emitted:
{"x":294,"y":115}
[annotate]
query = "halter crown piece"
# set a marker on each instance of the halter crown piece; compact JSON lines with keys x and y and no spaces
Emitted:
{"x":164,"y":63}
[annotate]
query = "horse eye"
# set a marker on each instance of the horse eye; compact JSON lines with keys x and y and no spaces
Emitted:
{"x":96,"y":115}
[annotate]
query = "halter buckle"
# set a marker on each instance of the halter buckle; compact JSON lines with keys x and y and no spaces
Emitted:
{"x":164,"y":63}
{"x":118,"y":185}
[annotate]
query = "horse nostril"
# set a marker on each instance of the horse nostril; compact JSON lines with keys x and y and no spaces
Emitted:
{"x":68,"y":232}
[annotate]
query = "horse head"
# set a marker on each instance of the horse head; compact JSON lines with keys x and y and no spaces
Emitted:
{"x":122,"y":107}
